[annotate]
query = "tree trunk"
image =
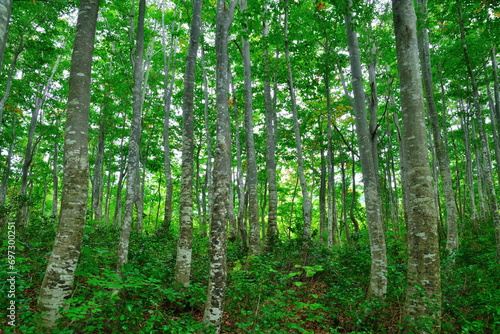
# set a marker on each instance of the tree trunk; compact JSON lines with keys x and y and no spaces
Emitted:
{"x":214,"y":306}
{"x":58,"y":281}
{"x":8,"y":163}
{"x":5,"y":10}
{"x":272,"y":223}
{"x":378,"y":273}
{"x":468,"y":168}
{"x":306,"y":201}
{"x":208,"y":136}
{"x":168,"y":85}
{"x":441,"y":151}
{"x":98,"y":177}
{"x":184,"y":244}
{"x":423,"y":292}
{"x":242,"y":198}
{"x":133,"y":170}
{"x":55,"y":180}
{"x":332,"y":220}
{"x":253,"y":199}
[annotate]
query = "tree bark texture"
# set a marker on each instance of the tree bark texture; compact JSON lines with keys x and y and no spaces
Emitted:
{"x":168,"y":85}
{"x":133,"y":196}
{"x":185,"y":241}
{"x":253,"y":199}
{"x":5,"y":10}
{"x":58,"y":281}
{"x":378,"y":273}
{"x":423,"y":292}
{"x":272,"y":220}
{"x":214,"y":306}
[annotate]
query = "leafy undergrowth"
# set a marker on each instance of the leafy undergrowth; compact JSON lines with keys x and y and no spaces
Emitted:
{"x":283,"y":291}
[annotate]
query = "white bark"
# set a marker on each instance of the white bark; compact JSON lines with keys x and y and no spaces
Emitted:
{"x":58,"y":281}
{"x":184,"y":244}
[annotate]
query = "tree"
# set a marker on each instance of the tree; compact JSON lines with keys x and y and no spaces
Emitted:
{"x":5,"y":10}
{"x":133,"y":195}
{"x":271,"y":139}
{"x":214,"y":306}
{"x":423,"y":292}
{"x":253,"y":199}
{"x":378,"y":274}
{"x":184,"y":245}
{"x":59,"y":277}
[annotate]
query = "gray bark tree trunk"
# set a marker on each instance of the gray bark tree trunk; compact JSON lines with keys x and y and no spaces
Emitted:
{"x":8,"y":163}
{"x":378,"y":273}
{"x":423,"y":293}
{"x":214,"y":306}
{"x":185,"y":241}
{"x":5,"y":10}
{"x":208,"y":136}
{"x":441,"y":150}
{"x":58,"y":281}
{"x":253,"y":199}
{"x":272,"y":219}
{"x":306,"y":201}
{"x":98,"y":177}
{"x":133,"y":195}
{"x":168,"y":85}
{"x":468,"y":170}
{"x":55,"y":180}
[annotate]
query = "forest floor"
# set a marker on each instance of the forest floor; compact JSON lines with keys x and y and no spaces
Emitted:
{"x":284,"y":290}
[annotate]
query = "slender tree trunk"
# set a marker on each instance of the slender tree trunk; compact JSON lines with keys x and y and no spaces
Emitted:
{"x":185,"y":242}
{"x":490,"y":187}
{"x":468,"y":168}
{"x":253,"y":199}
{"x":108,"y":192}
{"x":55,"y":180}
{"x":117,"y":216}
{"x":323,"y":227}
{"x":332,"y":220}
{"x":5,"y":10}
{"x":306,"y":201}
{"x":344,"y":200}
{"x":423,"y":293}
{"x":168,"y":85}
{"x":441,"y":151}
{"x":214,"y":306}
{"x":133,"y":169}
{"x":58,"y":281}
{"x":378,"y":273}
{"x":98,"y":177}
{"x":8,"y":163}
{"x":208,"y":137}
{"x":272,"y":223}
{"x":242,"y":204}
